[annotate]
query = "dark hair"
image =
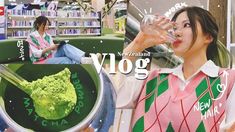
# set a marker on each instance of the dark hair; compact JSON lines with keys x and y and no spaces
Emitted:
{"x":41,"y":20}
{"x":216,"y":51}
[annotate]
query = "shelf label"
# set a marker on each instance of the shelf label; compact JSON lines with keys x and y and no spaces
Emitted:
{"x":1,"y":10}
{"x":2,"y":23}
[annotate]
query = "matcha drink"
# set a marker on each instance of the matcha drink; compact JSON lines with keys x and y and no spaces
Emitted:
{"x":54,"y":96}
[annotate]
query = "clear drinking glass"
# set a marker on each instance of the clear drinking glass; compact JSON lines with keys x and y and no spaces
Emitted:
{"x":147,"y":26}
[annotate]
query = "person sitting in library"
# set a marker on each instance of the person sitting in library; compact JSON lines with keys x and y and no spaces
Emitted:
{"x":42,"y":49}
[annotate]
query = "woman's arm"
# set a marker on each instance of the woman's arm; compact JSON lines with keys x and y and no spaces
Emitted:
{"x":38,"y":52}
{"x":52,"y":47}
{"x":128,"y":91}
{"x":228,"y":123}
{"x":232,"y":128}
{"x":143,"y":41}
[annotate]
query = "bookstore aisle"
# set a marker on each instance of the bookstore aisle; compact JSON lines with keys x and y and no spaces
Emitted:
{"x":90,"y":25}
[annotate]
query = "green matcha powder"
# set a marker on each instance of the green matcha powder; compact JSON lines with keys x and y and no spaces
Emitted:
{"x":54,"y":96}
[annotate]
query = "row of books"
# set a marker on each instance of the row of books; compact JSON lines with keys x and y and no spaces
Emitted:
{"x":77,"y":14}
{"x":51,"y":13}
{"x":34,"y":12}
{"x":80,"y":23}
{"x":79,"y":31}
{"x":25,"y":33}
{"x":20,"y":23}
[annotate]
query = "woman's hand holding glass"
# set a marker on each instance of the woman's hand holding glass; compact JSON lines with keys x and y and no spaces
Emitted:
{"x":154,"y":31}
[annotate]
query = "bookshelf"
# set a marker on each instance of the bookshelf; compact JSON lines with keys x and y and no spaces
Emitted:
{"x":63,"y":23}
{"x":78,"y":23}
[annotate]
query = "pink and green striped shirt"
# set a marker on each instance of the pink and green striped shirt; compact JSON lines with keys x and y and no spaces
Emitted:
{"x":36,"y":45}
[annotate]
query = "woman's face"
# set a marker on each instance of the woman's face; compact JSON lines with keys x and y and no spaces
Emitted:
{"x":184,"y":34}
{"x":42,"y":28}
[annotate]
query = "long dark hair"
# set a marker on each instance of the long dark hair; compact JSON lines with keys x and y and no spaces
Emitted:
{"x":41,"y":20}
{"x":216,"y":51}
